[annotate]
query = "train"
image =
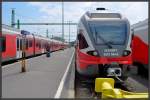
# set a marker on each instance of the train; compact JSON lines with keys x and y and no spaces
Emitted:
{"x":13,"y":40}
{"x":103,"y":47}
{"x":140,"y":46}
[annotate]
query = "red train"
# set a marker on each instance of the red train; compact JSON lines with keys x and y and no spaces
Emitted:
{"x":12,"y":44}
{"x":103,"y":45}
{"x":140,"y":45}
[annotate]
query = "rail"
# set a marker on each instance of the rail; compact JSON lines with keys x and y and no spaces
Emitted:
{"x":105,"y":86}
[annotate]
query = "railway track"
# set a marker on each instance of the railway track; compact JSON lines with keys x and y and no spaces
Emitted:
{"x":85,"y":89}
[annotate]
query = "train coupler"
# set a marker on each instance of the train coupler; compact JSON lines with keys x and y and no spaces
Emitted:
{"x":105,"y":86}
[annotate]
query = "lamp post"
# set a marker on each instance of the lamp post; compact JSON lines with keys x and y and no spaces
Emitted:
{"x":13,"y":17}
{"x":69,"y":31}
{"x":63,"y":21}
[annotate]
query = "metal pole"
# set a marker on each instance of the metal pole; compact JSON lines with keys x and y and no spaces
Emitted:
{"x":47,"y":33}
{"x":52,"y":41}
{"x":18,"y":24}
{"x":38,"y":23}
{"x":63,"y":21}
{"x":13,"y":18}
{"x":69,"y":31}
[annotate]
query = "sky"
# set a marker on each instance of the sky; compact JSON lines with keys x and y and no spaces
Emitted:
{"x":52,"y":12}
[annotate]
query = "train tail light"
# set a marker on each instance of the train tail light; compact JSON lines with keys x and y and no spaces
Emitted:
{"x":93,"y":53}
{"x":126,"y":52}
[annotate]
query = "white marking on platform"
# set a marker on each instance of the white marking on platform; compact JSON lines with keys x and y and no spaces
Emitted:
{"x":59,"y":90}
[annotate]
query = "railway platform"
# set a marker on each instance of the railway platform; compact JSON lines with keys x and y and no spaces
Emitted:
{"x":42,"y":79}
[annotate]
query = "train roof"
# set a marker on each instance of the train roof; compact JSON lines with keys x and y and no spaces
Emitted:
{"x":56,"y":41}
{"x":48,"y":39}
{"x":6,"y":29}
{"x":103,"y":14}
{"x":11,"y":30}
{"x":140,"y":24}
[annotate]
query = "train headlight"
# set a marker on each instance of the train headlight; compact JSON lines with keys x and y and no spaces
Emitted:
{"x":126,"y":52}
{"x":93,"y":53}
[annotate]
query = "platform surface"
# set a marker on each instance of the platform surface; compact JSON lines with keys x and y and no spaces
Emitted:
{"x":42,"y":78}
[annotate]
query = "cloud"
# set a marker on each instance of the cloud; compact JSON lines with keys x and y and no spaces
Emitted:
{"x":137,"y":12}
{"x":134,"y":11}
{"x":51,"y":12}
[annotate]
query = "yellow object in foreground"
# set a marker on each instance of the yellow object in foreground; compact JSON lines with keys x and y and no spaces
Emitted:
{"x":106,"y":87}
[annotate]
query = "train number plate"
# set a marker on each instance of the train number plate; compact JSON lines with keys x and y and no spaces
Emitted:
{"x":111,"y":52}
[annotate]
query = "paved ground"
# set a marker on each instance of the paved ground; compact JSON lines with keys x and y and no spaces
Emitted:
{"x":41,"y":80}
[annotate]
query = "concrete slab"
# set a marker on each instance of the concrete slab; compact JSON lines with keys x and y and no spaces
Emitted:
{"x":41,"y":80}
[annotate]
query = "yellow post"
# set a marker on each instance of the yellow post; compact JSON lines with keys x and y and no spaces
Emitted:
{"x":23,"y":69}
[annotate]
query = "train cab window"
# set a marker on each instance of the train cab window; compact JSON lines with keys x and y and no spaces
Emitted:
{"x":3,"y":44}
{"x":82,"y":42}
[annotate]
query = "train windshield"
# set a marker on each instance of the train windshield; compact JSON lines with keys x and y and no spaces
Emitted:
{"x":107,"y":33}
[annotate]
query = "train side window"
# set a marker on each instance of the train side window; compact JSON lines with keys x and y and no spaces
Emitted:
{"x":20,"y":44}
{"x":26,"y":44}
{"x":82,"y":42}
{"x":30,"y":43}
{"x":17,"y":44}
{"x":3,"y":44}
{"x":37,"y":44}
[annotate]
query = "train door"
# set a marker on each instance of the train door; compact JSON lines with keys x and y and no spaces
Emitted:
{"x":42,"y":46}
{"x":19,"y":48}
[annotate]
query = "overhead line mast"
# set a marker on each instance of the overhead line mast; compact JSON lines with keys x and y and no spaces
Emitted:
{"x":63,"y":21}
{"x":13,"y":18}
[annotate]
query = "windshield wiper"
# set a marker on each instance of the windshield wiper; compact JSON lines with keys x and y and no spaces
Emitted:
{"x":105,"y":42}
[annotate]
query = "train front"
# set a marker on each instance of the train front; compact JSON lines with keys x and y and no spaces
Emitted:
{"x":104,"y":45}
